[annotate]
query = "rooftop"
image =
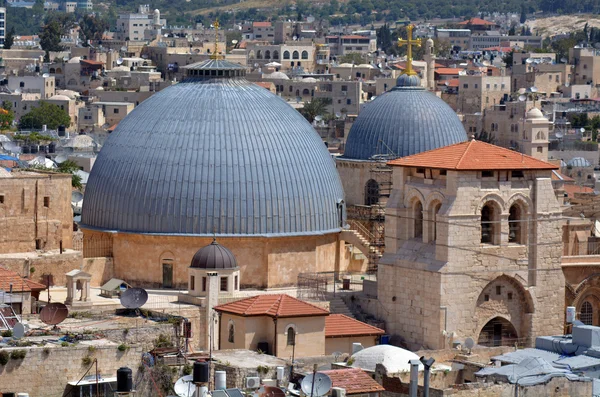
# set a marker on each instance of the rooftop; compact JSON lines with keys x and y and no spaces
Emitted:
{"x":451,"y":71}
{"x":280,"y":305}
{"x":19,"y":284}
{"x":571,"y":189}
{"x":354,"y":381}
{"x":473,"y":156}
{"x":477,"y":21}
{"x":339,"y":325}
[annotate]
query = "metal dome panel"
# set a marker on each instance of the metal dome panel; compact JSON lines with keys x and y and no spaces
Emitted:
{"x":214,"y":256}
{"x":402,"y":122}
{"x":221,"y":156}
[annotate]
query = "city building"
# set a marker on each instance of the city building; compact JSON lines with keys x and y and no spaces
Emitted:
{"x":2,"y":25}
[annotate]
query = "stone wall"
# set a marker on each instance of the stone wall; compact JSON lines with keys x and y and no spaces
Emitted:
{"x":46,"y":371}
{"x":35,"y":207}
{"x":264,"y":262}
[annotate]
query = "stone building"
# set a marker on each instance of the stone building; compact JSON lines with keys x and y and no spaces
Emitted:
{"x":214,"y":156}
{"x":35,"y":211}
{"x":473,"y":245}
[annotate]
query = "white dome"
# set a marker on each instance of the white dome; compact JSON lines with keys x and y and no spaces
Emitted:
{"x":394,"y":359}
{"x":59,"y":98}
{"x":366,"y":65}
{"x":81,"y":142}
{"x":70,"y":93}
{"x":309,"y":80}
{"x":276,"y":75}
{"x":74,"y":60}
{"x":535,"y":114}
{"x":346,"y":65}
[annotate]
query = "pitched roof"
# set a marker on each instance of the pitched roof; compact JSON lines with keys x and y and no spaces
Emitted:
{"x":261,"y":24}
{"x":558,"y":176}
{"x":452,"y":83}
{"x":450,"y":71}
{"x":571,"y":189}
{"x":354,"y":381}
{"x":280,"y":305}
{"x":473,"y":156}
{"x":477,"y":21}
{"x":339,"y":325}
{"x":19,"y":284}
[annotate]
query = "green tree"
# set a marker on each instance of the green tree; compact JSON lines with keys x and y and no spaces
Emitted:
{"x":92,"y":27}
{"x":70,"y":167}
{"x":484,"y":136}
{"x":353,"y":57}
{"x":314,"y":108}
{"x":50,"y":37}
{"x":46,"y":114}
{"x":9,"y":40}
{"x":523,"y":14}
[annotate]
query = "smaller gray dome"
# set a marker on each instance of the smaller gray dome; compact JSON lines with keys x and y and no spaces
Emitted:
{"x":578,"y":162}
{"x":406,"y":80}
{"x":214,"y":256}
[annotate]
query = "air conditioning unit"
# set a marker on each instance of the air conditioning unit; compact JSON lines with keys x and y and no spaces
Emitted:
{"x":270,"y":382}
{"x":252,"y":382}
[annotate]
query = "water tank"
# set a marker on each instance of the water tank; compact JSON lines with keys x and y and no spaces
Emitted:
{"x":280,"y":373}
{"x":124,"y":379}
{"x":571,"y":312}
{"x":201,"y":372}
{"x":61,"y":130}
{"x":220,"y":380}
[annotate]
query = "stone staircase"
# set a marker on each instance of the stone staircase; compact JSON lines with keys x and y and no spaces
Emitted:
{"x":338,"y":306}
{"x":358,"y":239}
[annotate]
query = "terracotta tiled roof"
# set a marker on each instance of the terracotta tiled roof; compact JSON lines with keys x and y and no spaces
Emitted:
{"x":355,"y":381}
{"x":473,"y":156}
{"x":448,"y":71}
{"x":8,"y":277}
{"x":338,"y":325}
{"x":477,"y":21}
{"x":499,"y":49}
{"x":261,"y":24}
{"x":354,"y":36}
{"x":273,"y":306}
{"x":572,"y":189}
{"x":264,"y":84}
{"x":451,"y":83}
{"x":112,"y":127}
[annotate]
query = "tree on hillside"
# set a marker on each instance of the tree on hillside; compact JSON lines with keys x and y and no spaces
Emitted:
{"x":70,"y":167}
{"x":46,"y":114}
{"x":50,"y":37}
{"x":9,"y":40}
{"x":523,"y":14}
{"x":353,"y":57}
{"x":92,"y":27}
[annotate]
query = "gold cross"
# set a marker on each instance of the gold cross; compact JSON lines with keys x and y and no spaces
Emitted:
{"x":409,"y":42}
{"x":215,"y":54}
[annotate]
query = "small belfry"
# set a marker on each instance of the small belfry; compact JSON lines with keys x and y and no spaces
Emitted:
{"x":409,"y":42}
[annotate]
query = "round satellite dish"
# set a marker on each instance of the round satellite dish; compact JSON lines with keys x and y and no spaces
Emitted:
{"x":563,"y":60}
{"x":582,"y":130}
{"x":529,"y":60}
{"x":271,"y":391}
{"x":18,"y":91}
{"x":144,"y":56}
{"x":533,"y":89}
{"x":184,"y":387}
{"x":559,"y":134}
{"x":469,"y":343}
{"x":319,"y":118}
{"x":54,"y":313}
{"x":567,"y":84}
{"x":46,"y":75}
{"x":522,"y":98}
{"x":123,"y":48}
{"x":134,"y":298}
{"x":295,"y":37}
{"x":522,"y":91}
{"x":61,"y":158}
{"x":120,"y":61}
{"x":234,"y":41}
{"x":318,"y":383}
{"x":18,"y":331}
{"x":76,"y":197}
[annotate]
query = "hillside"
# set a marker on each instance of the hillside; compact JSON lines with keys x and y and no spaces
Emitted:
{"x":561,"y":24}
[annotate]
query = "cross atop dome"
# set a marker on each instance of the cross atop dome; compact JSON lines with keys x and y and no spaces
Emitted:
{"x":215,"y":54}
{"x":409,"y":42}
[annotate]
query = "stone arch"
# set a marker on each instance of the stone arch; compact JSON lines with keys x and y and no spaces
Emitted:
{"x":251,"y":54}
{"x":524,"y":200}
{"x":275,"y":54}
{"x":411,"y":195}
{"x":434,"y":196}
{"x":295,"y":55}
{"x":291,"y":332}
{"x":588,"y":291}
{"x":231,"y":331}
{"x":259,"y":54}
{"x":490,"y":223}
{"x":505,"y":297}
{"x":497,"y":331}
{"x":166,"y":265}
{"x":433,"y":208}
{"x":304,"y":54}
{"x":491,"y":197}
{"x":267,"y":54}
{"x":517,"y":222}
{"x":286,"y":55}
{"x":371,"y":192}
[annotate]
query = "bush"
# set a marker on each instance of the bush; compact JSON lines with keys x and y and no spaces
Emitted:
{"x":7,"y":333}
{"x":91,"y":349}
{"x":87,"y":360}
{"x":123,"y":347}
{"x":163,"y":340}
{"x":18,"y":354}
{"x":187,"y":369}
{"x":46,"y":351}
{"x":3,"y":357}
{"x":64,"y":344}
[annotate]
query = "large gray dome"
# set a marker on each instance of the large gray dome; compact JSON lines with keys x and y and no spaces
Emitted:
{"x":404,"y":121}
{"x":220,"y":156}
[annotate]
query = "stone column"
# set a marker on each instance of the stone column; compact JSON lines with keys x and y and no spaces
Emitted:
{"x":212,"y":300}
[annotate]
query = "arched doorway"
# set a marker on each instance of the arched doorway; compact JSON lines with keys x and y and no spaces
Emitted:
{"x":371,"y":192}
{"x":498,"y":332}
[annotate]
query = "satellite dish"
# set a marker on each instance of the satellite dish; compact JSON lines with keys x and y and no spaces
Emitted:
{"x":184,"y":387}
{"x":469,"y":344}
{"x":582,"y":130}
{"x":54,"y":313}
{"x":318,"y":383}
{"x":522,"y":91}
{"x":76,"y":196}
{"x":120,"y":61}
{"x":319,"y":118}
{"x":310,"y":19}
{"x":18,"y":91}
{"x":529,"y":60}
{"x":18,"y":331}
{"x":134,"y":298}
{"x":234,"y":42}
{"x":337,"y":115}
{"x":567,"y":84}
{"x":61,"y":158}
{"x":295,"y":37}
{"x":46,"y":75}
{"x":522,"y":98}
{"x":123,"y":48}
{"x":533,"y":89}
{"x":564,"y":60}
{"x":144,"y":56}
{"x":559,"y":134}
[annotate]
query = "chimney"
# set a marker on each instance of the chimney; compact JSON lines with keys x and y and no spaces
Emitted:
{"x":212,"y":300}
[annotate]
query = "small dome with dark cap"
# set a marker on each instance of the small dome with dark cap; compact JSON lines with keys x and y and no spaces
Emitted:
{"x":214,"y":256}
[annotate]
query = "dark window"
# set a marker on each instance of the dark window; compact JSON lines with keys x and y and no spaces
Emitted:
{"x":418,"y":217}
{"x":514,"y":224}
{"x":517,"y":174}
{"x":192,"y":283}
{"x":487,"y":224}
{"x":231,"y":337}
{"x":487,"y":174}
{"x":203,"y":284}
{"x":291,"y":336}
{"x":22,"y":84}
{"x":443,"y":172}
{"x":587,"y":313}
{"x":115,"y":111}
{"x":47,"y":201}
{"x":224,"y":284}
{"x":486,"y":297}
{"x":509,"y":296}
{"x":236,"y":282}
{"x":371,"y":192}
{"x":420,"y":170}
{"x":1,"y":199}
{"x":498,"y":290}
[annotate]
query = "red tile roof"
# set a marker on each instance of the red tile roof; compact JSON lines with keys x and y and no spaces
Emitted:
{"x":273,"y":306}
{"x":8,"y":277}
{"x":265,"y":84}
{"x":338,"y":325}
{"x":354,"y":381}
{"x":473,"y":156}
{"x":572,"y":189}
{"x":477,"y":21}
{"x":451,"y":83}
{"x":446,"y":71}
{"x":354,"y":36}
{"x":261,"y":24}
{"x":112,"y":127}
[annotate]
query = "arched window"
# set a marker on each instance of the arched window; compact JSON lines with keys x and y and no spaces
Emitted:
{"x":259,"y":54}
{"x":488,"y":226}
{"x":276,"y":54}
{"x":231,"y":337}
{"x":587,"y":313}
{"x":286,"y":55}
{"x":267,"y":54}
{"x":515,"y":225}
{"x":52,"y":70}
{"x":305,"y":54}
{"x":291,"y":336}
{"x":371,"y":192}
{"x":295,"y":55}
{"x":305,"y":91}
{"x":418,"y":217}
